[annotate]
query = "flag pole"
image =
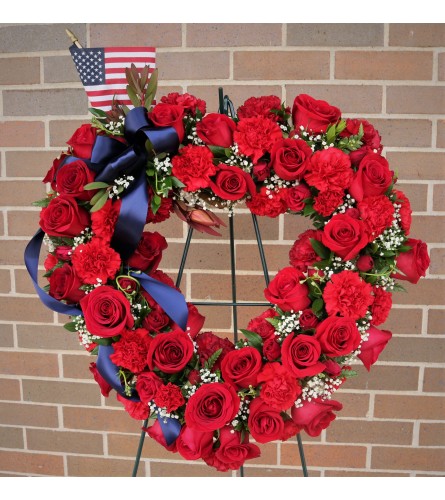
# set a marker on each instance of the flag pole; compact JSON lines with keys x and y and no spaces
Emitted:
{"x":73,"y":38}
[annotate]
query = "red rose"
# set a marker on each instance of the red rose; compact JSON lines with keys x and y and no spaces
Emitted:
{"x":268,"y":203}
{"x":170,"y":352}
{"x":370,"y":350}
{"x":106,"y":311}
{"x":312,"y":114}
{"x":265,"y":423}
{"x":193,"y":444}
{"x":216,"y":129}
{"x":332,"y":368}
{"x":105,"y":387}
{"x":162,"y":213}
{"x":377,"y":213}
{"x":189,"y":102}
{"x":290,"y":158}
{"x":64,"y":284}
{"x":326,"y":202}
{"x":147,"y":385}
{"x":300,"y":355}
{"x":347,"y":295}
{"x":50,"y":176}
{"x":372,"y":178}
{"x":404,"y":211}
{"x":103,"y":221}
{"x":261,"y":326}
{"x":316,"y":415}
{"x":412,"y":265}
{"x":194,"y":377}
{"x":365,"y":263}
{"x":232,"y":183}
{"x":371,"y":138}
{"x":233,"y":450}
{"x":302,"y":254}
{"x":256,"y":136}
{"x":345,"y":236}
{"x":195,"y":320}
{"x":72,"y":177}
{"x":279,"y":389}
{"x":130,"y":351}
{"x":261,"y":170}
{"x":95,"y":262}
{"x":208,"y":344}
{"x":260,"y":106}
{"x":169,"y":115}
{"x":50,"y":261}
{"x":64,"y":252}
{"x":338,"y":336}
{"x":63,"y":217}
{"x":82,"y":141}
{"x":170,"y":397}
{"x":241,"y":367}
{"x":136,"y":409}
{"x":193,"y":166}
{"x":127,"y":285}
{"x":271,"y":349}
{"x":329,"y":169}
{"x":148,"y":253}
{"x":381,"y":306}
{"x":156,"y":433}
{"x":308,"y":320}
{"x":296,"y":197}
{"x":211,"y":407}
{"x":156,"y":320}
{"x":286,"y":291}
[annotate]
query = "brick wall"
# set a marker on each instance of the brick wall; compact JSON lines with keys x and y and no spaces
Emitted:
{"x":53,"y":420}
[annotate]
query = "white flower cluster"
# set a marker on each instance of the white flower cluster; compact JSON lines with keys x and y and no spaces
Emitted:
{"x":237,"y":159}
{"x":162,"y":412}
{"x":318,"y":387}
{"x":274,"y":183}
{"x":116,"y":128}
{"x":316,"y":139}
{"x":349,"y":202}
{"x":163,"y":166}
{"x":207,"y":377}
{"x":120,"y":184}
{"x":85,"y":337}
{"x":392,"y":237}
{"x":84,"y":237}
{"x":243,"y":412}
{"x":338,"y":265}
{"x":288,"y":324}
{"x":194,"y":138}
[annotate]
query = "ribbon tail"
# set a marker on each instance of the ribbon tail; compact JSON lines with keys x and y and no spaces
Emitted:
{"x":31,"y":257}
{"x":170,"y":427}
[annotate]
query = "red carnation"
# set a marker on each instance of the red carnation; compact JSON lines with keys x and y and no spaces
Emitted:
{"x":261,"y":326}
{"x":338,"y":336}
{"x":256,"y":136}
{"x":148,"y":253}
{"x":130,"y":351}
{"x":208,"y":344}
{"x":347,"y":295}
{"x":381,"y":306}
{"x":286,"y":291}
{"x":170,"y":397}
{"x":377,"y":213}
{"x":103,"y":221}
{"x":189,"y":102}
{"x":315,"y":415}
{"x":326,"y":202}
{"x":279,"y":389}
{"x":329,"y":169}
{"x":404,"y":211}
{"x":302,"y":254}
{"x":260,"y":106}
{"x":193,"y":166}
{"x":268,"y":203}
{"x":95,"y":262}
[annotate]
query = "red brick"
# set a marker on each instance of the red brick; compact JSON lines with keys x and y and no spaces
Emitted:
{"x":60,"y":131}
{"x":28,"y":134}
{"x":385,"y":378}
{"x":59,"y":69}
{"x":436,"y":321}
{"x":442,"y":66}
{"x":440,"y":142}
{"x":422,"y":100}
{"x":6,"y":335}
{"x":99,"y":419}
{"x":20,"y":71}
{"x":424,"y":292}
{"x":193,"y":65}
{"x":49,"y":338}
{"x":84,"y":443}
{"x":29,"y":163}
{"x":165,"y":469}
{"x":21,"y":193}
{"x":404,"y":321}
{"x":9,"y":389}
{"x":281,"y":65}
{"x":437,"y":265}
{"x":408,"y":407}
{"x":383,"y":65}
{"x":150,"y":35}
{"x":77,"y":365}
{"x":414,"y":165}
{"x":369,"y":432}
{"x":421,"y":350}
{"x":248,"y":258}
{"x":406,"y":133}
{"x":428,"y":228}
{"x":278,"y":472}
{"x":438,"y":197}
{"x":200,"y":256}
{"x":417,"y":195}
{"x":354,"y":404}
{"x":23,"y":223}
{"x":20,"y":308}
{"x":29,"y":363}
{"x":417,"y":459}
{"x":11,"y":437}
{"x":23,"y":282}
{"x":30,"y":415}
{"x":5,"y":281}
{"x":362,"y":473}
{"x":325,"y":455}
{"x":32,"y":463}
{"x":433,"y":380}
{"x":232,"y":35}
{"x":73,"y":393}
{"x":349,"y":98}
{"x":79,"y":466}
{"x":432,"y":434}
{"x":417,"y":35}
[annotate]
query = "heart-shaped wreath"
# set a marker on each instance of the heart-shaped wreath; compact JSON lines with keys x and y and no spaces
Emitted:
{"x":205,"y":394}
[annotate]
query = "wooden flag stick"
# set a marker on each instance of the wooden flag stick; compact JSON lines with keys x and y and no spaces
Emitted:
{"x":73,"y":38}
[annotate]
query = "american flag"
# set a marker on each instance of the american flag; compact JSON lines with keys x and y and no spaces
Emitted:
{"x":102,"y":71}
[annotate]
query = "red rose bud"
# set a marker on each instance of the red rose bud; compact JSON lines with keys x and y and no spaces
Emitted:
{"x":194,"y":378}
{"x":232,"y":183}
{"x":50,"y":261}
{"x":316,"y":415}
{"x":216,"y":129}
{"x":271,"y":349}
{"x":148,"y":253}
{"x":371,"y":349}
{"x":147,"y":385}
{"x":332,"y":368}
{"x":296,"y":196}
{"x":82,"y":141}
{"x":365,"y":263}
{"x":261,"y":170}
{"x":195,"y":320}
{"x":414,"y":263}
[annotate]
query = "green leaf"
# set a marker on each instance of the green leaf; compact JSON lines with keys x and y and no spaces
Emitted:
{"x":340,"y":126}
{"x":308,"y":210}
{"x":275,"y":322}
{"x":253,"y":338}
{"x":71,"y":327}
{"x":100,"y":202}
{"x":330,"y":134}
{"x":348,"y":373}
{"x":95,"y":351}
{"x":103,"y":341}
{"x":398,"y":288}
{"x":176,"y":182}
{"x":152,"y":86}
{"x":44,"y":202}
{"x":218,"y":151}
{"x":97,"y":196}
{"x":213,"y":359}
{"x":133,"y":97}
{"x":95,"y":185}
{"x":405,"y":248}
{"x":320,"y":249}
{"x":317,"y":305}
{"x":97,"y":112}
